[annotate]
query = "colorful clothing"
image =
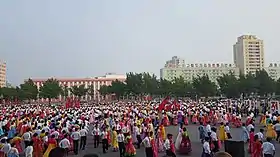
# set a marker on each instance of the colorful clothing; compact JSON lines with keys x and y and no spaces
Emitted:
{"x":37,"y":147}
{"x":129,"y":148}
{"x":115,"y":144}
{"x":270,"y":131}
{"x":185,"y":146}
{"x":51,"y":145}
{"x":159,"y":144}
{"x":251,"y":142}
{"x":257,"y":149}
{"x":154,"y":147}
{"x":222,"y":133}
{"x":162,"y":132}
{"x":17,"y":141}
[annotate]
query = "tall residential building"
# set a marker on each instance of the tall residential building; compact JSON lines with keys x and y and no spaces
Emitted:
{"x":248,"y":54}
{"x":193,"y":70}
{"x":175,"y":62}
{"x":3,"y":74}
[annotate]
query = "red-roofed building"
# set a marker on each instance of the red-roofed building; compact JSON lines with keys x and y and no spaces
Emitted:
{"x":97,"y":82}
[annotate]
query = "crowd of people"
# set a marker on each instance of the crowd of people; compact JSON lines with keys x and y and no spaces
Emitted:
{"x":123,"y":127}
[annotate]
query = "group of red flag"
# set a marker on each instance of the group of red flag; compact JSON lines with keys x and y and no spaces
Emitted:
{"x":167,"y":105}
{"x":72,"y":103}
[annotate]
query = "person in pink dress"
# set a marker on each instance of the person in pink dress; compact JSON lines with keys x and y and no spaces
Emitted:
{"x":130,"y":150}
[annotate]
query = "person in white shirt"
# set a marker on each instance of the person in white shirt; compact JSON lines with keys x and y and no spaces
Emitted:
{"x":13,"y":151}
{"x":104,"y":137}
{"x":120,"y":138}
{"x":83,"y":133}
{"x":277,"y":129}
{"x":268,"y":148}
{"x":76,"y":137}
{"x":56,"y":134}
{"x":65,"y":144}
{"x":227,"y":130}
{"x":29,"y":150}
{"x":6,"y":146}
{"x":167,"y":145}
{"x":46,"y":128}
{"x":260,"y":135}
{"x":27,"y":137}
{"x":206,"y":148}
{"x":208,"y":129}
{"x":148,"y":147}
{"x":214,"y":139}
{"x":96,"y":134}
{"x":250,"y":126}
{"x":138,"y":135}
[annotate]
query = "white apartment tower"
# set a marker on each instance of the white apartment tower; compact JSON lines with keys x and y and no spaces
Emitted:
{"x":175,"y":62}
{"x":3,"y":74}
{"x":248,"y":54}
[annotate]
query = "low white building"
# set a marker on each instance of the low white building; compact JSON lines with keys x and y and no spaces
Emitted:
{"x":193,"y":70}
{"x":273,"y":70}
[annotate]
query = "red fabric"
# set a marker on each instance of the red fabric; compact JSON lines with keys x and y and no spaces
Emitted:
{"x":163,"y":103}
{"x":257,"y":149}
{"x":251,"y":142}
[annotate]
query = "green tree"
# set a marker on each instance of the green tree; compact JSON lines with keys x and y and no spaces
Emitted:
{"x":204,"y":87}
{"x":29,"y":90}
{"x":248,"y":85}
{"x":118,"y":88}
{"x":277,"y":87}
{"x":91,"y":91}
{"x":64,"y":91}
{"x":150,"y":84}
{"x":165,"y":87}
{"x":134,"y":83}
{"x":181,"y":88}
{"x":50,"y":90}
{"x":265,"y":84}
{"x":79,"y":91}
{"x":104,"y":90}
{"x":9,"y":93}
{"x":229,"y":85}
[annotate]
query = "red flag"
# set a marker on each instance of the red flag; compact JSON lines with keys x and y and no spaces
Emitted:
{"x":163,"y":103}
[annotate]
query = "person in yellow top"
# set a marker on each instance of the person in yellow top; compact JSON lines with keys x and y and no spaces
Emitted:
{"x":162,"y":132}
{"x":222,"y":133}
{"x":270,"y":132}
{"x":263,"y":120}
{"x":115,"y":144}
{"x":51,"y":145}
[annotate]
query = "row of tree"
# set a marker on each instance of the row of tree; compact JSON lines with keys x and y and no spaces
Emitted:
{"x":50,"y":90}
{"x":228,"y":85}
{"x":142,"y":84}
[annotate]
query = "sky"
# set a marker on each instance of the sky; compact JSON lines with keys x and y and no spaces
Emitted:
{"x":87,"y":38}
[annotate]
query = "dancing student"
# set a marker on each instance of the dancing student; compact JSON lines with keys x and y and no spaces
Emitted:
{"x":169,"y":146}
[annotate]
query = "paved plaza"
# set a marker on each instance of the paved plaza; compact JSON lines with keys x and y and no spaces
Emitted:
{"x":193,"y":131}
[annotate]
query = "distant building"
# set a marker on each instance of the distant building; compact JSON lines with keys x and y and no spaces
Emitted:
{"x":95,"y":81}
{"x":3,"y":74}
{"x":248,"y":54}
{"x":193,"y":70}
{"x":175,"y":62}
{"x":273,"y":70}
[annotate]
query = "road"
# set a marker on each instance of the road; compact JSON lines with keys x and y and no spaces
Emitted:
{"x":193,"y":131}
